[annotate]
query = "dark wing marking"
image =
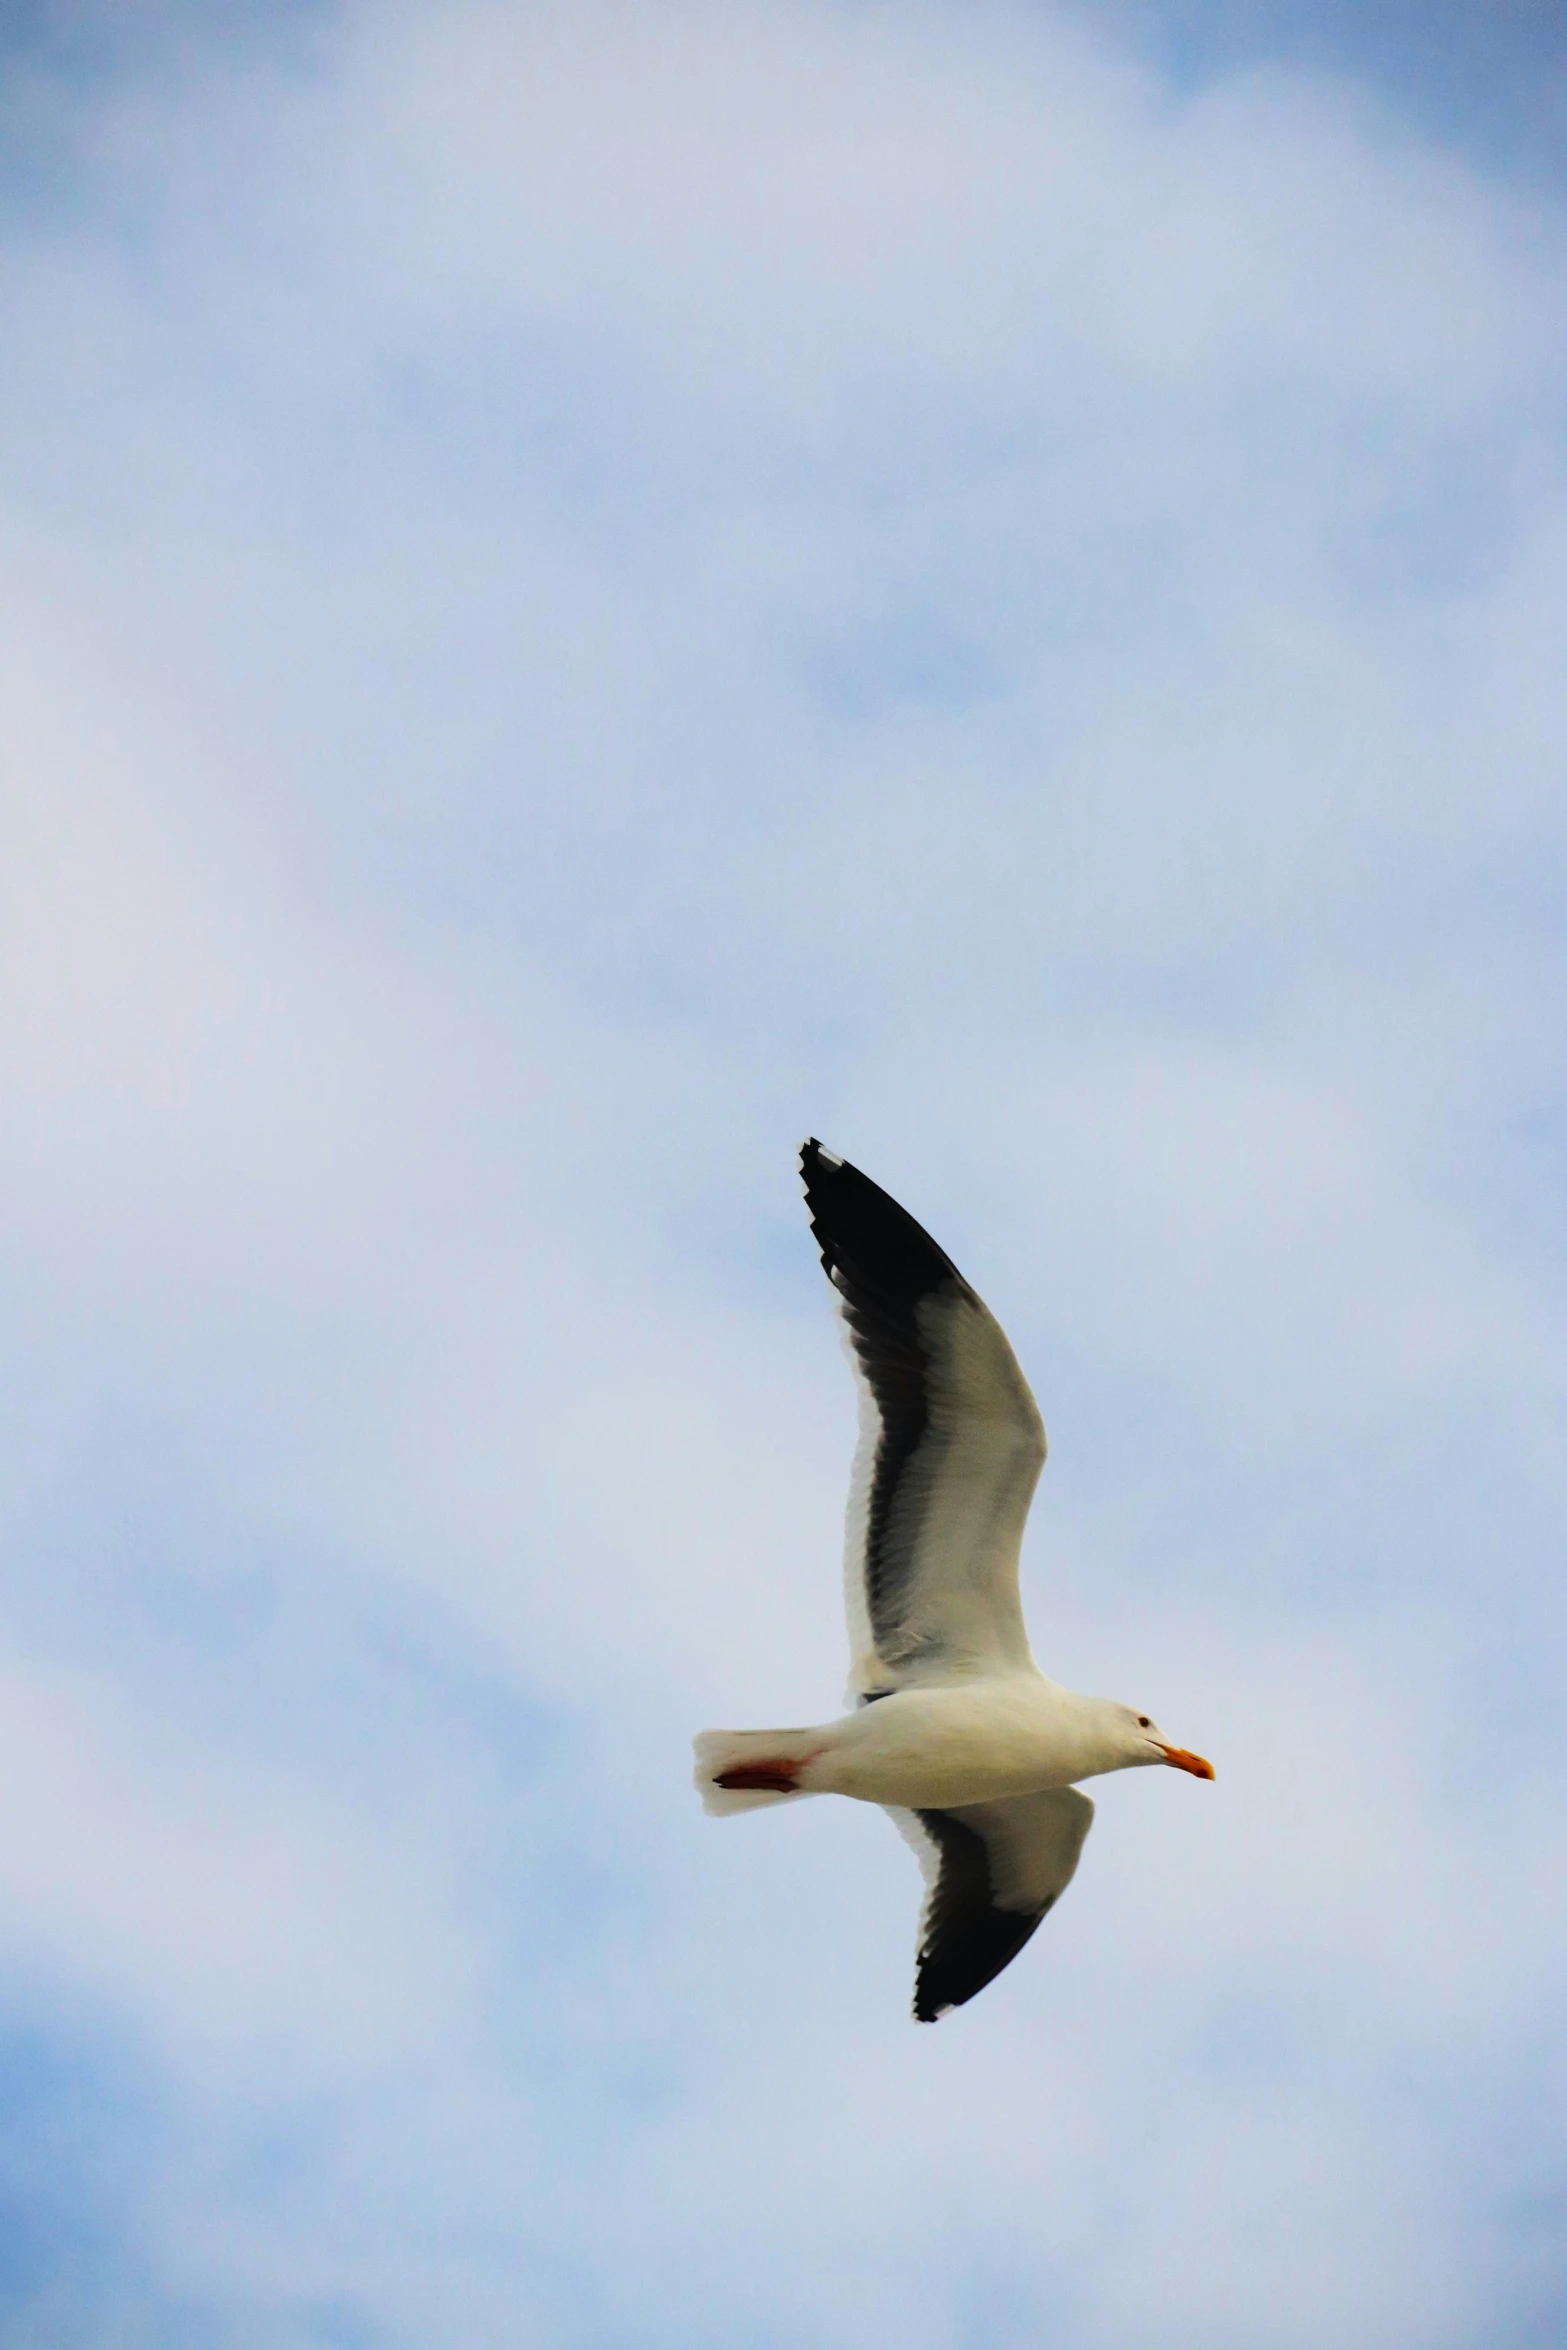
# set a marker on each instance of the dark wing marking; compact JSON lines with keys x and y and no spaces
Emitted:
{"x":951,"y":1444}
{"x":992,"y":1872}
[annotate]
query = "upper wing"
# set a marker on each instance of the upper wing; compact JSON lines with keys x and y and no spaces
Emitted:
{"x":992,"y":1870}
{"x":951,"y":1445}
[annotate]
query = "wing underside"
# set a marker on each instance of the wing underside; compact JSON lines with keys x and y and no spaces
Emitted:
{"x":951,"y":1445}
{"x":992,"y":1872}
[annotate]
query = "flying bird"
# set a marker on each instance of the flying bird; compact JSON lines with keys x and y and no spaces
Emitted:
{"x":955,"y":1732}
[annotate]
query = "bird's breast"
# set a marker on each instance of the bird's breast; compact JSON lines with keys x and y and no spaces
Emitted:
{"x":971,"y":1742}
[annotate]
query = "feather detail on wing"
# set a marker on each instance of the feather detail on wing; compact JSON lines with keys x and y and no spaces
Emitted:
{"x":951,"y":1445}
{"x":992,"y":1872}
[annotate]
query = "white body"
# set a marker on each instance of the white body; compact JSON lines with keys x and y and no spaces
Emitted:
{"x":969,"y":1739}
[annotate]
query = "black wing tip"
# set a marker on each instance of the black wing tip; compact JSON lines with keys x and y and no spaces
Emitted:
{"x":818,"y":1163}
{"x":951,"y":1977}
{"x":864,"y":1231}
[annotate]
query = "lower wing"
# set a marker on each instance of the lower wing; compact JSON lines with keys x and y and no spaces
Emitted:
{"x":992,"y":1872}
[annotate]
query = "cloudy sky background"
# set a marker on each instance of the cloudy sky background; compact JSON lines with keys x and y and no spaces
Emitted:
{"x":588,"y":589}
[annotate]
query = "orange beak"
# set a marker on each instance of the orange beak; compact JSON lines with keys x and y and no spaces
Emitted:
{"x":1187,"y":1762}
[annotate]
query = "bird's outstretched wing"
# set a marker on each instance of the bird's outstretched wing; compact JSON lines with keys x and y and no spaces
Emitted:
{"x":951,"y":1446}
{"x":992,"y":1871}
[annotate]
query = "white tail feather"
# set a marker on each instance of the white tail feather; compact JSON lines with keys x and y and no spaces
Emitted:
{"x":724,"y":1750}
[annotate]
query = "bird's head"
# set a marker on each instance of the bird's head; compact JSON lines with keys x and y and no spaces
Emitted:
{"x":1140,"y":1740}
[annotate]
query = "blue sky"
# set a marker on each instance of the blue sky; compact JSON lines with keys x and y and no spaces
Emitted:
{"x":588,"y":590}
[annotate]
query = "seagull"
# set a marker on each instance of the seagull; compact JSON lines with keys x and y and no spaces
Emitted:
{"x":973,"y":1753}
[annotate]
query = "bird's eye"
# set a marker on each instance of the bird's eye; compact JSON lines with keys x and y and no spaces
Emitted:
{"x":1143,"y":1723}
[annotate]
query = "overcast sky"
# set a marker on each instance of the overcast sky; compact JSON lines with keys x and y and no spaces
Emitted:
{"x":585,"y":590}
